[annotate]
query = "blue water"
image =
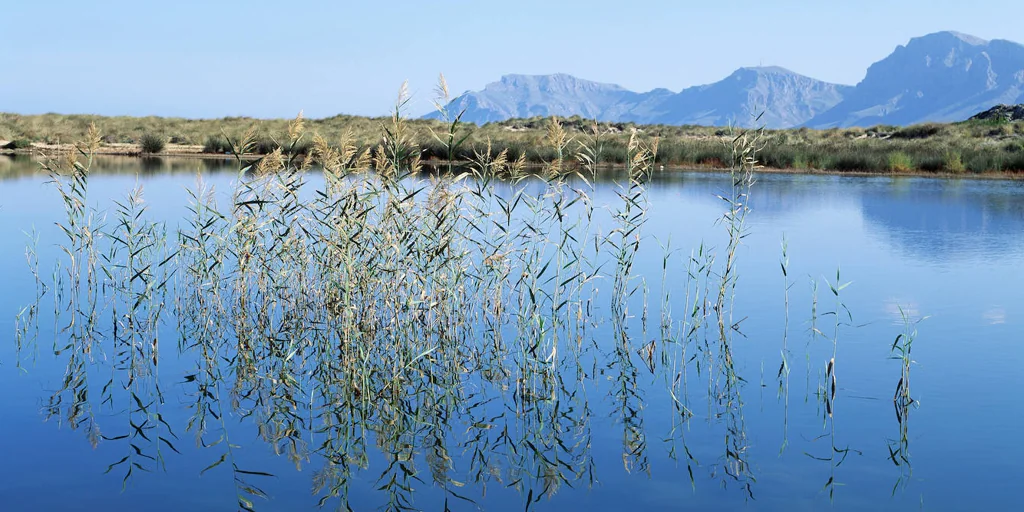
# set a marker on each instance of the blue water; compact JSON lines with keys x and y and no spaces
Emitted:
{"x":945,"y":251}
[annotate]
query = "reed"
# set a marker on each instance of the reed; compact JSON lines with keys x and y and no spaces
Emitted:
{"x":75,"y":283}
{"x":787,"y":285}
{"x":900,"y":351}
{"x":450,"y":326}
{"x":784,"y":369}
{"x":26,"y":323}
{"x":837,"y":313}
{"x":827,"y":391}
{"x":899,"y":448}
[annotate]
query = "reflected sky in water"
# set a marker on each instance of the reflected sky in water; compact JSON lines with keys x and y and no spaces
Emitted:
{"x":948,"y":250}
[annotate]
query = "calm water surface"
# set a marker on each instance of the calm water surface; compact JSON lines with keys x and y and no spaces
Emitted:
{"x":948,"y":250}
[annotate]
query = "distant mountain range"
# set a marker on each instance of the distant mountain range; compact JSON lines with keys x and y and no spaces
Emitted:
{"x":941,"y":77}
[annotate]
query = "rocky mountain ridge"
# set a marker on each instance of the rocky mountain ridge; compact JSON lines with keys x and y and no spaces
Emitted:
{"x":941,"y":77}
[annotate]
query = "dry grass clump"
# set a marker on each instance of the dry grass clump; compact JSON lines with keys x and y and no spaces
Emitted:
{"x":151,"y":143}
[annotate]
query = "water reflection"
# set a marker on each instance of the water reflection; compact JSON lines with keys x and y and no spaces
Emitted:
{"x":21,"y":166}
{"x":936,"y":221}
{"x":152,"y":165}
{"x":431,"y":344}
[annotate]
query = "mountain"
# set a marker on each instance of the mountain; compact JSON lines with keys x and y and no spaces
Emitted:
{"x":941,"y":77}
{"x":518,"y":96}
{"x":786,"y":99}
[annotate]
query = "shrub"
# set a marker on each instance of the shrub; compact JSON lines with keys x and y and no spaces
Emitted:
{"x":816,"y":159}
{"x":17,"y":144}
{"x":853,"y":162}
{"x":882,"y":128}
{"x":1002,"y":130}
{"x":265,"y":146}
{"x":673,"y":152}
{"x":800,"y":162}
{"x":614,"y":152}
{"x":517,"y":150}
{"x":920,"y":131}
{"x":712,"y":154}
{"x":953,"y":162}
{"x":216,"y":145}
{"x":900,"y":162}
{"x":433,"y":149}
{"x":546,"y":154}
{"x":849,"y":157}
{"x":777,"y":157}
{"x":1013,"y":146}
{"x":303,"y":147}
{"x":152,"y":143}
{"x":982,"y":162}
{"x":931,"y":163}
{"x":1014,"y":163}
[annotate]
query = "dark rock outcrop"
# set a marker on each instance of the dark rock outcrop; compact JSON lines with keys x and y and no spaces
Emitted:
{"x":1004,"y":112}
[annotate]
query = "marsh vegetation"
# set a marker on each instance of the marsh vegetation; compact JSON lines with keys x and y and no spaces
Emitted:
{"x":970,"y":147}
{"x":457,"y":329}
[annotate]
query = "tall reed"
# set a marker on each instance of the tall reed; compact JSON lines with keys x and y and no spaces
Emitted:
{"x":448,"y":326}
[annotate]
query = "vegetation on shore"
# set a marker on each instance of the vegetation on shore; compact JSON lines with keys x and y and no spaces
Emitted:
{"x":976,"y":146}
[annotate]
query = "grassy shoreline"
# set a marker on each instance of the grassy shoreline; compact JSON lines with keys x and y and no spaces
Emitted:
{"x":173,"y":163}
{"x":986,"y":148}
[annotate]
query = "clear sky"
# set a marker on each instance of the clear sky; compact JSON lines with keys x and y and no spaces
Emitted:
{"x":271,"y":59}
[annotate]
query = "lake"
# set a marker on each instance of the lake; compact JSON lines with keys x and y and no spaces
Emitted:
{"x":472,"y":345}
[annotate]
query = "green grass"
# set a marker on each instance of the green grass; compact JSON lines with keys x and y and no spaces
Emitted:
{"x":900,"y":162}
{"x":953,"y":162}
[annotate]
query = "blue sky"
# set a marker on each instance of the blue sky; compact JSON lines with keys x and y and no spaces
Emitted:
{"x":271,"y":59}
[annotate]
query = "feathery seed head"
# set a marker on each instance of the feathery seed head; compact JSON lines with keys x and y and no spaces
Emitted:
{"x":92,"y":138}
{"x":403,"y":98}
{"x":347,"y":147}
{"x":323,"y":152}
{"x":381,"y":163}
{"x":556,"y":134}
{"x":441,"y":96}
{"x":296,"y":128}
{"x":271,"y":163}
{"x":248,"y":140}
{"x":364,"y":160}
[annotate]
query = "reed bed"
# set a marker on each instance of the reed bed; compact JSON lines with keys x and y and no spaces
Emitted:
{"x":443,"y":327}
